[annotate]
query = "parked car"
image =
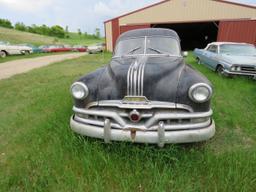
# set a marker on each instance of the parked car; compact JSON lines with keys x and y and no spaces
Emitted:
{"x":7,"y":49}
{"x":80,"y":48}
{"x":57,"y":48}
{"x":146,"y":94}
{"x":44,"y":48}
{"x":98,"y":48}
{"x":34,"y":48}
{"x":228,"y":58}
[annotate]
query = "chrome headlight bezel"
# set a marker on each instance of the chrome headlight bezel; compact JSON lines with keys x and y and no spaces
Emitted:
{"x":236,"y":68}
{"x":195,"y":87}
{"x":83,"y":87}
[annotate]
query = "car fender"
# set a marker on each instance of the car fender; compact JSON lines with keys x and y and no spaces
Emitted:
{"x":224,"y":64}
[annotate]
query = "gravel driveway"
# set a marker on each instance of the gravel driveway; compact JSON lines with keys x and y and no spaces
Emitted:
{"x":11,"y":68}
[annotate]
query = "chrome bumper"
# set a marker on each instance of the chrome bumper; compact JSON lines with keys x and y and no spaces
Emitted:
{"x":160,"y":123}
{"x":160,"y":137}
{"x":240,"y":73}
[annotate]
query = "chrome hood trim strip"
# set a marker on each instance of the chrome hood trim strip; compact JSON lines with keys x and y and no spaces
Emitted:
{"x":135,"y":77}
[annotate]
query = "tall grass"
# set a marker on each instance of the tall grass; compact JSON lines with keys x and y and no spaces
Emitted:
{"x":38,"y":151}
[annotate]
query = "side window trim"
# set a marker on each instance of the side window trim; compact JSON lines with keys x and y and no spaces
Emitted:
{"x":213,"y":49}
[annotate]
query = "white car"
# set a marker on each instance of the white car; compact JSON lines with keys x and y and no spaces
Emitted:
{"x":98,"y":48}
{"x":7,"y":49}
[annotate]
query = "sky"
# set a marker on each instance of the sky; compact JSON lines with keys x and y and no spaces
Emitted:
{"x":86,"y":15}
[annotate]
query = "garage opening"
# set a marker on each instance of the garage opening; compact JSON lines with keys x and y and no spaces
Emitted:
{"x":193,"y":35}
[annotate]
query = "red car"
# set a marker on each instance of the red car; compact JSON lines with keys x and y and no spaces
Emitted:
{"x":80,"y":48}
{"x":58,"y":48}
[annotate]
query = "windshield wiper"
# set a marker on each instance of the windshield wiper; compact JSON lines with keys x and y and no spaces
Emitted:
{"x":131,"y":51}
{"x":158,"y":51}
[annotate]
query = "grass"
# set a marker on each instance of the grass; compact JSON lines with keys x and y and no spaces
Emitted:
{"x":76,"y":39}
{"x":17,"y":57}
{"x":38,"y":151}
{"x":18,"y":37}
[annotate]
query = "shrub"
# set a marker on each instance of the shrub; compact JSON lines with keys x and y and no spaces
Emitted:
{"x":6,"y":23}
{"x":20,"y":26}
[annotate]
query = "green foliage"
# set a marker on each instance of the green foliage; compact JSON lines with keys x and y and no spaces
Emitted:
{"x":5,"y":23}
{"x":20,"y":26}
{"x":54,"y":31}
{"x":17,"y":37}
{"x":66,"y":29}
{"x":97,"y":32}
{"x":57,"y":31}
{"x":79,"y":32}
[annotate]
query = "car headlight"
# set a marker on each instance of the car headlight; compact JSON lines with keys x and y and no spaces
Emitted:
{"x":236,"y":68}
{"x":200,"y":92}
{"x":79,"y":90}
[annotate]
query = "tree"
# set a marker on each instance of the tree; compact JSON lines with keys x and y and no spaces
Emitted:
{"x":44,"y":30}
{"x":97,"y":32}
{"x":6,"y":23}
{"x":57,"y":31}
{"x":79,"y":32}
{"x":66,"y":29}
{"x":20,"y":26}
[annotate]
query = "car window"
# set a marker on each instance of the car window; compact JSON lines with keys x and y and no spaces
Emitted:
{"x":213,"y":48}
{"x":162,"y":45}
{"x":130,"y":46}
{"x":238,"y":49}
{"x":148,"y":45}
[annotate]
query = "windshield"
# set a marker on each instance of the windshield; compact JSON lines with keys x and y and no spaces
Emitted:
{"x":236,"y":49}
{"x":148,"y":45}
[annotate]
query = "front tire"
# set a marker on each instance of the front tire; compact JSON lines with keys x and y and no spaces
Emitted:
{"x":3,"y":54}
{"x":25,"y":52}
{"x":198,"y":60}
{"x":220,"y":71}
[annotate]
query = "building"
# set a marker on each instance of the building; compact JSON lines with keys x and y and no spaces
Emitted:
{"x":197,"y":22}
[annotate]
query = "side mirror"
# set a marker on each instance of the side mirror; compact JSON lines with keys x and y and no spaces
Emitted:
{"x":184,"y":53}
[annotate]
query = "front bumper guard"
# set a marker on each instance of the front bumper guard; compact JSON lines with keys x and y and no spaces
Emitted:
{"x":240,"y":73}
{"x":161,"y":136}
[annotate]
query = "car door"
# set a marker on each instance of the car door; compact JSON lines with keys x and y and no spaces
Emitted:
{"x":12,"y":49}
{"x":211,"y":56}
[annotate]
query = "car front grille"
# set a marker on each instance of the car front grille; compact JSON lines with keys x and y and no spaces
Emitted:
{"x":173,"y":118}
{"x":248,"y":69}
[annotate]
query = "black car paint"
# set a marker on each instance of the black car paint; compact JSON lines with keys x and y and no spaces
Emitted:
{"x":167,"y":78}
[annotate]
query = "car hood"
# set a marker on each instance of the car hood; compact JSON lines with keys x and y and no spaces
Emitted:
{"x":163,"y":78}
{"x":240,"y":59}
{"x":156,"y":78}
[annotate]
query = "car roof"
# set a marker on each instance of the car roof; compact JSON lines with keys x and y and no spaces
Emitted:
{"x":231,"y":43}
{"x":148,"y":32}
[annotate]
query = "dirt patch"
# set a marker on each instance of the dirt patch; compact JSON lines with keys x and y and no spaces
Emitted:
{"x":11,"y":68}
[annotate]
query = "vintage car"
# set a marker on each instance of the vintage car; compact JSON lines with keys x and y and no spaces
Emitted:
{"x":146,"y":94}
{"x":7,"y":49}
{"x":229,"y":58}
{"x":80,"y":48}
{"x":57,"y":48}
{"x":98,"y":48}
{"x":34,"y":48}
